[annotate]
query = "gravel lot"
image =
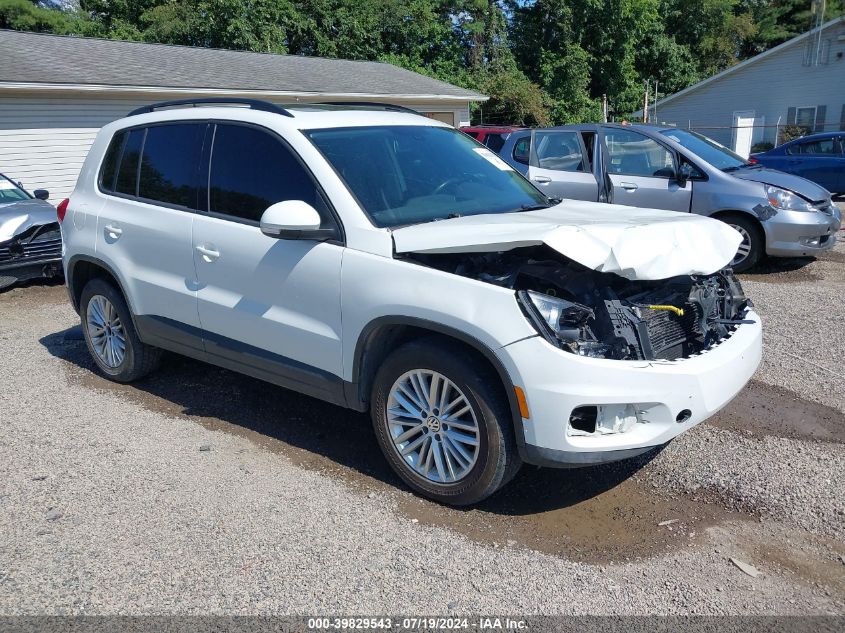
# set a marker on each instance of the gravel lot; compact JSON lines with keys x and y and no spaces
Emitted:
{"x":201,"y":491}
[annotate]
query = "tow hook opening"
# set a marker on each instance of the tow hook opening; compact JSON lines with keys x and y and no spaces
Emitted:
{"x":583,"y":419}
{"x":607,"y":419}
{"x":683,"y":416}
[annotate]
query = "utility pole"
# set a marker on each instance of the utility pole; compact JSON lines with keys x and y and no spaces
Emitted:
{"x":645,"y":103}
{"x":604,"y":108}
{"x":655,"y":100}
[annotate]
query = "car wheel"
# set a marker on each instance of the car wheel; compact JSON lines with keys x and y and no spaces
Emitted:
{"x":443,"y":423}
{"x":751,"y":248}
{"x":110,"y":334}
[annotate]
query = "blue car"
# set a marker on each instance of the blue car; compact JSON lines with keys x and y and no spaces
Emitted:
{"x":818,"y":157}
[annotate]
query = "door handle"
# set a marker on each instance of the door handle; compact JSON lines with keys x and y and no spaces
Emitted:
{"x":113,"y":231}
{"x":629,"y":186}
{"x":543,"y":180}
{"x":208,"y":252}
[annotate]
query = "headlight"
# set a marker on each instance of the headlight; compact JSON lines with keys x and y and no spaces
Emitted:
{"x":562,"y":319}
{"x":786,"y":200}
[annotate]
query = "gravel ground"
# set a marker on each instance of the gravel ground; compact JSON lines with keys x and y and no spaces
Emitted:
{"x":803,"y":315}
{"x":109,"y":502}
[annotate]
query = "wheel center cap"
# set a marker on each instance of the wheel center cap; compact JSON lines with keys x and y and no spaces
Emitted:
{"x":433,"y":423}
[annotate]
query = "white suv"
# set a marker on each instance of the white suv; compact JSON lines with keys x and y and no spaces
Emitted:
{"x":382,"y":261}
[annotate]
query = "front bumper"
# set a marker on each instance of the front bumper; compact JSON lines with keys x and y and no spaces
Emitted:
{"x":801,"y":233}
{"x":23,"y":270}
{"x":556,"y":382}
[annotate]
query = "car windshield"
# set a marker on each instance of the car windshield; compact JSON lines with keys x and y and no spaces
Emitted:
{"x":411,"y":174}
{"x":10,"y":192}
{"x":707,"y":149}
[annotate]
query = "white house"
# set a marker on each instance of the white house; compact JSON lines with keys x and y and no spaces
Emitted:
{"x":56,"y":92}
{"x":801,"y":81}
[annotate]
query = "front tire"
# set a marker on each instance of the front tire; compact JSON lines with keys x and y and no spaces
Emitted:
{"x":443,"y":423}
{"x":751,"y":249}
{"x":110,"y":334}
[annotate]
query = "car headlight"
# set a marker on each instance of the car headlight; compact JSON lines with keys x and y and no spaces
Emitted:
{"x":786,"y":200}
{"x":562,"y":322}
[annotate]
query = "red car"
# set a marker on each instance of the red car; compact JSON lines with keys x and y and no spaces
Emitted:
{"x":493,"y":136}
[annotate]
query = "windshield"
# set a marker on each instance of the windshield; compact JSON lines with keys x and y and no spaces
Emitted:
{"x":411,"y":174}
{"x":10,"y":192}
{"x":707,"y":149}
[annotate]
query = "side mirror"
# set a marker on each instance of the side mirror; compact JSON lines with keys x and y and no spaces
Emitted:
{"x":41,"y":194}
{"x":293,"y":220}
{"x":683,"y":174}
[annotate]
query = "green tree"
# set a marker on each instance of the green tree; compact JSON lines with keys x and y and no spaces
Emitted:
{"x":28,"y":15}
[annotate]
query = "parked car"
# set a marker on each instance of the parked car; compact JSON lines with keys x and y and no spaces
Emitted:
{"x":493,"y":136}
{"x":778,"y":214}
{"x":818,"y":157}
{"x":385,"y":262}
{"x":30,"y":240}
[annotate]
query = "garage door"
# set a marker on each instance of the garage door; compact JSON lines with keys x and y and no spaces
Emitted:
{"x":43,"y":142}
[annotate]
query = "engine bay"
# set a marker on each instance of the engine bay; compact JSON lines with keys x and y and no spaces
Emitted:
{"x":603,"y":315}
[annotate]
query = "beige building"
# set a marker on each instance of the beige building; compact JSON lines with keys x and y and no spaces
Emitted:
{"x":56,"y":92}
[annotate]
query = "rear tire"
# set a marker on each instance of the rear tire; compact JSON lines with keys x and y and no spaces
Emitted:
{"x":752,"y":248}
{"x":435,"y":429}
{"x":110,"y":334}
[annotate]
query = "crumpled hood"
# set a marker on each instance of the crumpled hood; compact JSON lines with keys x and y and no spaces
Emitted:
{"x":803,"y":187}
{"x":17,"y":217}
{"x":634,"y":243}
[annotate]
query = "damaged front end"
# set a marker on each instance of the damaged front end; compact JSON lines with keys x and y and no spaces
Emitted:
{"x":35,"y":252}
{"x":603,"y":315}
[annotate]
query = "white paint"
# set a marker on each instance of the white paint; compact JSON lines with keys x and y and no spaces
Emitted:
{"x":45,"y":136}
{"x":287,"y":296}
{"x":743,"y":132}
{"x":631,"y":242}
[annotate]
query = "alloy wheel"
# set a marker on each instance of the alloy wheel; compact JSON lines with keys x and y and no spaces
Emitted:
{"x":433,"y":426}
{"x":744,"y":248}
{"x":105,"y":330}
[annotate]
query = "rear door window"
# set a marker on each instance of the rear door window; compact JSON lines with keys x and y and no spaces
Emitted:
{"x":170,"y":164}
{"x":824,"y":147}
{"x":252,"y":169}
{"x":560,"y":151}
{"x":127,"y":173}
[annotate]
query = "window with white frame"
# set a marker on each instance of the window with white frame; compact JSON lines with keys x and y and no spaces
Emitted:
{"x":806,"y":117}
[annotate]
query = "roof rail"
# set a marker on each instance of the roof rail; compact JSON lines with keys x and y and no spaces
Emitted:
{"x":253,"y":104}
{"x":371,"y":104}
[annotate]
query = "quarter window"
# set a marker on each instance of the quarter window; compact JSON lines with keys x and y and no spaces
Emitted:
{"x":634,"y":154}
{"x":560,"y":151}
{"x":127,"y":173}
{"x":112,"y":157}
{"x":494,"y":142}
{"x":522,"y":150}
{"x":251,"y":170}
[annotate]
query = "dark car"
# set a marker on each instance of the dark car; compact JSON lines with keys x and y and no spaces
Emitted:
{"x":818,"y":157}
{"x":30,"y":238}
{"x":493,"y":136}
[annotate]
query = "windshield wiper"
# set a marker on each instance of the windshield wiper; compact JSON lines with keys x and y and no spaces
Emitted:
{"x":743,"y":166}
{"x":448,"y":216}
{"x":529,"y":207}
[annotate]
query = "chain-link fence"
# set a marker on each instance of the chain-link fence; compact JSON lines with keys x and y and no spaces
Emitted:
{"x":758,"y":137}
